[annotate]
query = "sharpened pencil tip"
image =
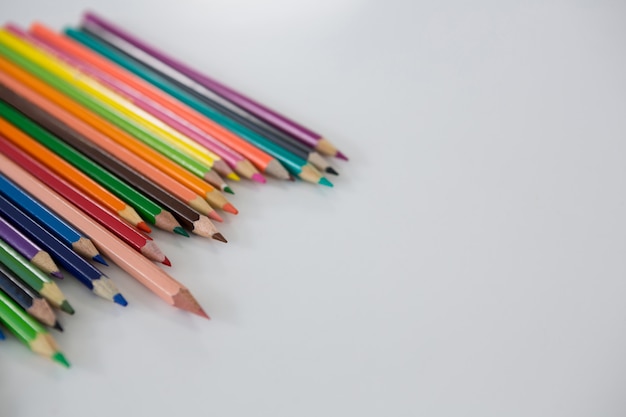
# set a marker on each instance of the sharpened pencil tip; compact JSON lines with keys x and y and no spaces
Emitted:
{"x":57,"y":274}
{"x":341,"y":156}
{"x":331,"y":170}
{"x":230,"y":208}
{"x":180,"y":231}
{"x":258,"y":178}
{"x":59,"y":358}
{"x":233,"y":176}
{"x":65,"y":306}
{"x":166,"y":262}
{"x":292,"y":178}
{"x":144,"y":227}
{"x":2,"y":336}
{"x":220,"y":237}
{"x":214,"y":216}
{"x":57,"y":326}
{"x":202,"y":313}
{"x":228,"y":190}
{"x":100,"y":259}
{"x":324,"y":181}
{"x":119,"y":299}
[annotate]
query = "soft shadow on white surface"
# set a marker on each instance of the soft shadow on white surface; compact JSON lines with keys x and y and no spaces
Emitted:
{"x":469,"y":261}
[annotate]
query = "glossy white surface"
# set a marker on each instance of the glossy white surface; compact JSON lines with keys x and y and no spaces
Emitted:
{"x":469,"y":262}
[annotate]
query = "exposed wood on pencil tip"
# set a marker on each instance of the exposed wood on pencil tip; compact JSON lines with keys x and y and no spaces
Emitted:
{"x":276,"y":170}
{"x":185,"y":301}
{"x":85,"y":248}
{"x":44,"y":261}
{"x":204,"y":227}
{"x":41,"y":310}
{"x":166,"y":221}
{"x":151,"y":251}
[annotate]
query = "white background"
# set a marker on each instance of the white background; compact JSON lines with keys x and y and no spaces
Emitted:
{"x":469,"y":262}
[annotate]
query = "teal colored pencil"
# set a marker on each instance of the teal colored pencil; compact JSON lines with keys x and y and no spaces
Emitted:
{"x":294,"y":164}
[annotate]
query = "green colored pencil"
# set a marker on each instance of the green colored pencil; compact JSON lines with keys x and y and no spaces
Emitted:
{"x":33,"y":277}
{"x":107,"y":112}
{"x":148,"y":209}
{"x":29,"y":331}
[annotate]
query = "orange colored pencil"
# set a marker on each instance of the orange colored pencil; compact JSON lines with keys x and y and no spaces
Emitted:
{"x":71,"y":174}
{"x":135,"y":264}
{"x":197,"y":185}
{"x":123,"y":154}
{"x":260,"y":159}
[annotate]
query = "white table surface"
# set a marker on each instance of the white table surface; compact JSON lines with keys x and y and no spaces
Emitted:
{"x":469,"y":262}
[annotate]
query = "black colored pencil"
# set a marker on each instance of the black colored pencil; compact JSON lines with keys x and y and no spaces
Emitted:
{"x":29,"y":300}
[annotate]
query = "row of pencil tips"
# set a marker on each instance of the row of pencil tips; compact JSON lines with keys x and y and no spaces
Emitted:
{"x":102,"y":138}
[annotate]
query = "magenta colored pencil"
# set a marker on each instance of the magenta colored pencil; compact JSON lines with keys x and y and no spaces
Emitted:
{"x":297,"y":131}
{"x":27,"y":248}
{"x":235,"y":160}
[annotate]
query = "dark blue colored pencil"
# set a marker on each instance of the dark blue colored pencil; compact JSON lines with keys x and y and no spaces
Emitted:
{"x":50,"y":220}
{"x":82,"y":270}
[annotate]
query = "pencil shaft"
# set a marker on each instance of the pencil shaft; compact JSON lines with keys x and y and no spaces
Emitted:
{"x":106,"y":218}
{"x":184,"y":214}
{"x":77,"y":266}
{"x":56,"y":225}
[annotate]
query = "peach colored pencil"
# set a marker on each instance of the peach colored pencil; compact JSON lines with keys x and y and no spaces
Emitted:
{"x":135,"y":264}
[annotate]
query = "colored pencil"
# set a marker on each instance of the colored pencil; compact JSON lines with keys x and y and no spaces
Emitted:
{"x":130,"y":112}
{"x":113,"y":223}
{"x":305,"y":135}
{"x":82,"y":270}
{"x":215,"y":199}
{"x":155,"y":174}
{"x":150,"y":211}
{"x":297,"y":166}
{"x":259,"y":127}
{"x":33,"y":277}
{"x":56,"y":225}
{"x":163,"y":118}
{"x":260,"y":159}
{"x":2,"y":336}
{"x":189,"y":218}
{"x":213,"y":196}
{"x":28,"y":249}
{"x":297,"y":131}
{"x":126,"y":258}
{"x":30,"y":301}
{"x":200,"y":92}
{"x":28,"y":330}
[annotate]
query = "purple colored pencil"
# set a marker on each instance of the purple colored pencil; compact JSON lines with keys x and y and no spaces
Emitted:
{"x":235,"y":160}
{"x":295,"y":130}
{"x":28,"y":249}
